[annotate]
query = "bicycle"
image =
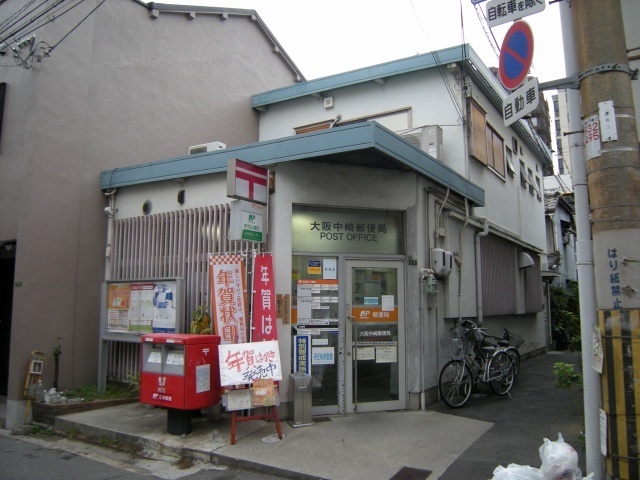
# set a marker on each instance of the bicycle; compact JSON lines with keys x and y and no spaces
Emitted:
{"x":511,"y":342}
{"x":471,"y":362}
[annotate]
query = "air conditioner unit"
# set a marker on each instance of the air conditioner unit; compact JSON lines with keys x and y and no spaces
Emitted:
{"x":428,"y":139}
{"x":207,"y":147}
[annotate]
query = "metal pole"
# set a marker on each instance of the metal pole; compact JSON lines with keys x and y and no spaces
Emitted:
{"x":613,"y":176}
{"x":584,"y":256}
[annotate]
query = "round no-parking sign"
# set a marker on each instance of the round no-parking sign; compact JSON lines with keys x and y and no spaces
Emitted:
{"x":516,"y":55}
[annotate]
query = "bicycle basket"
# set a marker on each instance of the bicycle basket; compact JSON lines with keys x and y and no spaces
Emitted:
{"x":456,"y":343}
{"x":515,"y":340}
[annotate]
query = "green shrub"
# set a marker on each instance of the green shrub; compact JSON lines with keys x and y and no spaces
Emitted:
{"x":565,"y":316}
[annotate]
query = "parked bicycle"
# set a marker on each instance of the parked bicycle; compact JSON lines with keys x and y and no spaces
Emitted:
{"x":472,"y":362}
{"x":511,"y":342}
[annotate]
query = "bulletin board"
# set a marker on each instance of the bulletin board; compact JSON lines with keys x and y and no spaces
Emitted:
{"x":133,"y":308}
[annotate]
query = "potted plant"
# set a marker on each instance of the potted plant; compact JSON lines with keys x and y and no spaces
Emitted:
{"x":201,"y":321}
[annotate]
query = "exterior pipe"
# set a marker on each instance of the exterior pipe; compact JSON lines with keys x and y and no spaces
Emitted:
{"x":584,"y":258}
{"x":483,"y":233}
{"x":110,"y":212}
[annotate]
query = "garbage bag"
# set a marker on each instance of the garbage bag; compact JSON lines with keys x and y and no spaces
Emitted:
{"x":517,"y":472}
{"x":559,"y":460}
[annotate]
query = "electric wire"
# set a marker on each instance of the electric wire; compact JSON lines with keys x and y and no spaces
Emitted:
{"x":440,"y":66}
{"x":43,"y":49}
{"x":2,"y":24}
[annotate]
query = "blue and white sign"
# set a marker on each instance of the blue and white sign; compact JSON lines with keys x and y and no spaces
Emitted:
{"x":504,"y":11}
{"x":301,"y":354}
{"x":323,"y":356}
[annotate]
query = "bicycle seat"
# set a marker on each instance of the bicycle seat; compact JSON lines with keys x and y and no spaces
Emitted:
{"x":503,"y":343}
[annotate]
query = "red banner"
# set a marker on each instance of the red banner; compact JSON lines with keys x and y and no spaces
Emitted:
{"x":264,"y":300}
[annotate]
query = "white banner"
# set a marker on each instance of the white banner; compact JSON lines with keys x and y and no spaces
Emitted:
{"x":243,"y":363}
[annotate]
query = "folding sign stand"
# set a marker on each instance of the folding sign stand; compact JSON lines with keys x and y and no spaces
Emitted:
{"x":273,"y":415}
{"x":245,"y":399}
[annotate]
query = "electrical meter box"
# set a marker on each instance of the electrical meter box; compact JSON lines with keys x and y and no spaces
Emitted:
{"x":180,"y":371}
{"x":441,"y":262}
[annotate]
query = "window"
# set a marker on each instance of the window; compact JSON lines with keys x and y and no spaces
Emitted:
{"x":495,"y":150}
{"x":538,"y":189}
{"x":395,"y":120}
{"x":499,"y":294}
{"x":314,"y":127}
{"x":510,"y":167}
{"x":530,"y":181}
{"x":523,"y":175}
{"x":478,"y":143}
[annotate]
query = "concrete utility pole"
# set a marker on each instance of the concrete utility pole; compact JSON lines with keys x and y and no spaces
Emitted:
{"x":613,"y":175}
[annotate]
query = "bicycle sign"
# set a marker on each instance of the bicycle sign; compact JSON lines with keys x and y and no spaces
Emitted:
{"x":504,"y":11}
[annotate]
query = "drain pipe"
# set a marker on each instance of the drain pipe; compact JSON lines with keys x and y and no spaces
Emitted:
{"x":110,"y":212}
{"x":483,"y":233}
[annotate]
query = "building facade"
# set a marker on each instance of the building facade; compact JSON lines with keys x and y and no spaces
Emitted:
{"x":125,"y":84}
{"x":399,"y":205}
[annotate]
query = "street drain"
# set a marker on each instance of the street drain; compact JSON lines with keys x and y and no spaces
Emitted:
{"x":321,"y":419}
{"x":409,"y":473}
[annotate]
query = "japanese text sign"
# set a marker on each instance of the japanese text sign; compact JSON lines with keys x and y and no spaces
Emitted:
{"x":244,"y":363}
{"x":521,"y":102}
{"x":226,"y":276}
{"x":504,"y":11}
{"x":264,"y":300}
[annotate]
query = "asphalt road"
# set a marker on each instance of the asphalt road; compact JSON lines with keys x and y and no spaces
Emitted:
{"x":535,"y":411}
{"x":52,"y":458}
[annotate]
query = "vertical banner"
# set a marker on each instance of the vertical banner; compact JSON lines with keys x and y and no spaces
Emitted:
{"x":263,"y":307}
{"x":226,"y":278}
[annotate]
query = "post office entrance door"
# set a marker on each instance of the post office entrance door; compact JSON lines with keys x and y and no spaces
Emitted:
{"x":375,"y":360}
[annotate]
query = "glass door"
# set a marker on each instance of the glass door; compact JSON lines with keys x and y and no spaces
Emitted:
{"x":375,"y":369}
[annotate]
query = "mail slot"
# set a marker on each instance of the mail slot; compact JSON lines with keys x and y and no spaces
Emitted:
{"x":180,"y":371}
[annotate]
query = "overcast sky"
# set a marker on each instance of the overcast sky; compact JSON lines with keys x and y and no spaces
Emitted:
{"x":332,"y":36}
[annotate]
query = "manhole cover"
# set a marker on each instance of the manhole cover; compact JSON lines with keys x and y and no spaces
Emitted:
{"x":273,"y":438}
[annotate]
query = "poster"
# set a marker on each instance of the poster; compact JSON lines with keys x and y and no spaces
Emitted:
{"x":142,"y":307}
{"x":244,"y":363}
{"x":226,"y":275}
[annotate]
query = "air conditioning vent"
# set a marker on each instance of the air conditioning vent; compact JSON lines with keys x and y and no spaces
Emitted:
{"x":207,"y":147}
{"x":428,"y":139}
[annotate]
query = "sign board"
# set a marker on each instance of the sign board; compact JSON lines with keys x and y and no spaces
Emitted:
{"x":504,"y":11}
{"x":521,"y":102}
{"x":245,"y":363}
{"x":302,"y":354}
{"x":516,"y":55}
{"x":264,"y":300}
{"x":608,"y":128}
{"x":246,"y":181}
{"x":591,"y":137}
{"x":227,"y":282}
{"x":133,"y":308}
{"x":597,"y":358}
{"x":248,"y":221}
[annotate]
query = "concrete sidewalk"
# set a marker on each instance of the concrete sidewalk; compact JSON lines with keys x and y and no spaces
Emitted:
{"x":466,"y":443}
{"x":366,"y":446}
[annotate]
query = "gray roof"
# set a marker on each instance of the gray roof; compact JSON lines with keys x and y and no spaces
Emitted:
{"x":463,"y":55}
{"x":366,"y":144}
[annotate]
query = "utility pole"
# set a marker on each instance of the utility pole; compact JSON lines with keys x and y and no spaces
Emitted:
{"x":613,"y":177}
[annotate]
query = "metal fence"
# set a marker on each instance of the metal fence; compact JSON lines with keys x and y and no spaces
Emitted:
{"x":173,"y":244}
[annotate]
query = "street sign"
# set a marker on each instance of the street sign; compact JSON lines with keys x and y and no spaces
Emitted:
{"x":521,"y":102}
{"x":516,"y":55}
{"x":504,"y":11}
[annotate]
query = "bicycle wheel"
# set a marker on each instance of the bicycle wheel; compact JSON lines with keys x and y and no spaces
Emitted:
{"x":515,"y":355}
{"x":501,"y":373}
{"x":455,"y":383}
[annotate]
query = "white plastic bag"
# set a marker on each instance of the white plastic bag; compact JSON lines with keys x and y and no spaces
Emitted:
{"x":559,"y":460}
{"x":517,"y":472}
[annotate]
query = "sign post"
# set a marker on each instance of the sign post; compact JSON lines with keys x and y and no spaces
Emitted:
{"x":504,"y":11}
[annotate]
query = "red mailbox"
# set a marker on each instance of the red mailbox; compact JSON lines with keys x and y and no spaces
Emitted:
{"x":180,"y":371}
